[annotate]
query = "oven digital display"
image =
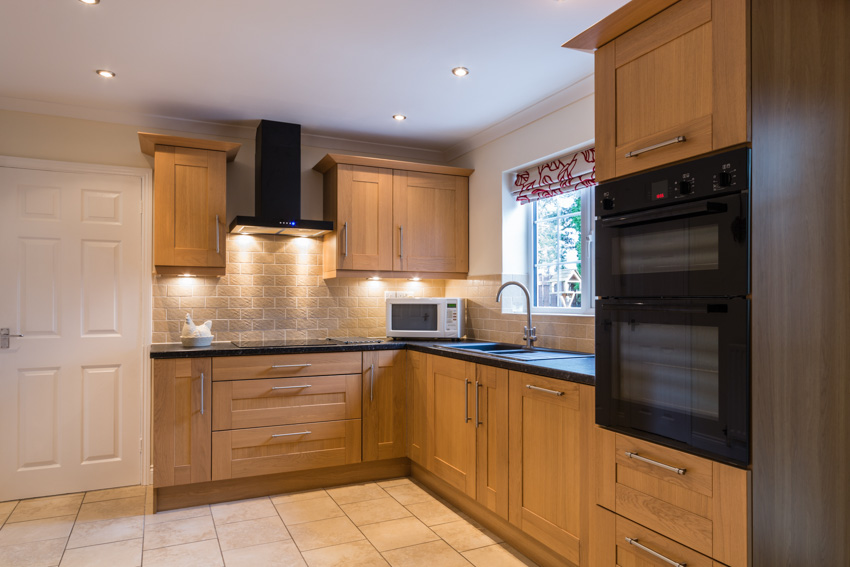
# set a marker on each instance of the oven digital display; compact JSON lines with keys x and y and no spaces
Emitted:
{"x":658,"y":190}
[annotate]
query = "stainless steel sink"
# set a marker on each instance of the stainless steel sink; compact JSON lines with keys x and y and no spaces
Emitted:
{"x":514,"y":352}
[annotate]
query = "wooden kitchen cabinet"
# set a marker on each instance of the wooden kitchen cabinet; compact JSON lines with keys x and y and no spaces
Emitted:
{"x":383,"y":404}
{"x":550,"y":433}
{"x":394,"y":218}
{"x":681,"y":74}
{"x":417,"y":406}
{"x":182,"y":421}
{"x":492,"y":431}
{"x":189,"y":203}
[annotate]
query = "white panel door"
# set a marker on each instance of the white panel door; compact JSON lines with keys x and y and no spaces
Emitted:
{"x":71,"y":284}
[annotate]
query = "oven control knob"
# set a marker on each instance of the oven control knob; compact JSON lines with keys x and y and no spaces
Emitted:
{"x":724,"y":179}
{"x":607,"y":203}
{"x":685,"y":188}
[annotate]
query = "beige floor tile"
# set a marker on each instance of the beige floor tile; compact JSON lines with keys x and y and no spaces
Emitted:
{"x":242,"y":510}
{"x":117,"y":554}
{"x":179,"y":514}
{"x":357,"y":493}
{"x":6,"y":509}
{"x":426,"y":555}
{"x":198,"y":554}
{"x":394,"y":482}
{"x":115,"y":493}
{"x":374,"y":511}
{"x":303,"y":511}
{"x":106,"y":531}
{"x":111,"y":509}
{"x":36,"y":530}
{"x":463,"y":536}
{"x":356,"y":554}
{"x":50,"y":507}
{"x":251,"y":532}
{"x":324,"y":533}
{"x":497,"y":556}
{"x":398,"y":533}
{"x":408,"y":494}
{"x":179,"y":532}
{"x":277,"y":554}
{"x":36,"y":554}
{"x":433,"y":512}
{"x":296,"y":496}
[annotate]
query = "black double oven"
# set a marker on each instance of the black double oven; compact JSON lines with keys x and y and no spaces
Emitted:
{"x":673,"y":308}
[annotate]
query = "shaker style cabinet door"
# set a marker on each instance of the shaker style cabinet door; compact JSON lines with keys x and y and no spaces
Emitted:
{"x":492,"y":427}
{"x":417,"y":404}
{"x":383,"y":404}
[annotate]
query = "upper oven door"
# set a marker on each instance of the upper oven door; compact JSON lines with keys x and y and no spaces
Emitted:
{"x":678,"y":249}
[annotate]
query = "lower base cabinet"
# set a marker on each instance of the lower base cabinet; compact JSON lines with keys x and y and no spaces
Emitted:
{"x":383,"y":404}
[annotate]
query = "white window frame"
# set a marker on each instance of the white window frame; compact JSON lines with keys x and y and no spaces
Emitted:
{"x":588,"y":259}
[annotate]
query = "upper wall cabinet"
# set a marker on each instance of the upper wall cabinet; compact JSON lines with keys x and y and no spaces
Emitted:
{"x":395,"y":218}
{"x":189,"y":203}
{"x":671,"y":82}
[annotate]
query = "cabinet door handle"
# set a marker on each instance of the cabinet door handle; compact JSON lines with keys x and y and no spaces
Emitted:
{"x":217,"y":236}
{"x":202,"y":393}
{"x":466,"y":418}
{"x":635,"y":456}
{"x":372,"y":384}
{"x":401,"y":241}
{"x":345,"y":241}
{"x":291,"y":365}
{"x":670,"y":142}
{"x":547,"y":390}
{"x":291,"y":387}
{"x":654,"y":553}
{"x":477,"y":402}
{"x":290,"y":434}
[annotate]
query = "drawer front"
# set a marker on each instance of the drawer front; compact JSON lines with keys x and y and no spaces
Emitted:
{"x":285,"y":365}
{"x":656,"y":480}
{"x":240,"y":404}
{"x":636,"y":545}
{"x":270,"y":450}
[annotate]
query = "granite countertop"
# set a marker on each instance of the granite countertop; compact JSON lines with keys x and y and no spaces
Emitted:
{"x":580,"y":370}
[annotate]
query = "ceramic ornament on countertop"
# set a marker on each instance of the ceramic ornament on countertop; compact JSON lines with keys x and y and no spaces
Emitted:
{"x":196,"y":335}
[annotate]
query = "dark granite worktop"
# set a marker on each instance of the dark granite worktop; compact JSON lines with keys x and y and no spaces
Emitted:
{"x":580,"y":370}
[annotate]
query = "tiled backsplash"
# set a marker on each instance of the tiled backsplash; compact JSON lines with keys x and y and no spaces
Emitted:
{"x":273,"y":289}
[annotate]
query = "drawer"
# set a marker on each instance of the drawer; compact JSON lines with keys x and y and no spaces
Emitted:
{"x":285,"y":365}
{"x":635,"y":545}
{"x":240,"y":404}
{"x":269,"y":450}
{"x":706,"y":507}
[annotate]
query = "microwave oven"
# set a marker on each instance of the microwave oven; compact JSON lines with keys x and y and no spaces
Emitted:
{"x":425,"y":318}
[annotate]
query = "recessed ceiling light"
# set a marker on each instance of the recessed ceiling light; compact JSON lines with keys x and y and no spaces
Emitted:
{"x":90,"y":2}
{"x":105,"y":73}
{"x":399,"y":117}
{"x":460,"y":71}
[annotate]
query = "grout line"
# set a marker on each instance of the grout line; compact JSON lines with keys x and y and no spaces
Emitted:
{"x":73,"y":525}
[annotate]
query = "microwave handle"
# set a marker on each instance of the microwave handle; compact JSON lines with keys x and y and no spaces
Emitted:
{"x":684,"y":210}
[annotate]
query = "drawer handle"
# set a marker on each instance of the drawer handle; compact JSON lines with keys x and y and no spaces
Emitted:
{"x":291,"y":387}
{"x":656,"y":463}
{"x":202,"y":393}
{"x":654,"y":553}
{"x":676,"y":140}
{"x":290,"y":434}
{"x":548,"y":391}
{"x":291,"y":365}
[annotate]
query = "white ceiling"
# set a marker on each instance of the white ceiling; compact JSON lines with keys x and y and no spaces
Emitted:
{"x":338,"y":67}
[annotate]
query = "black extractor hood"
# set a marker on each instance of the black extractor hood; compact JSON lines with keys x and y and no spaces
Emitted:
{"x":277,"y":187}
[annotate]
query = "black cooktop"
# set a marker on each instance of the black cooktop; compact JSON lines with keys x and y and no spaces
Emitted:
{"x":307,"y":342}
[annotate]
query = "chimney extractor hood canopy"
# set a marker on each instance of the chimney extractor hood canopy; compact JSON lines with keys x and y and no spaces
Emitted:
{"x":277,"y":185}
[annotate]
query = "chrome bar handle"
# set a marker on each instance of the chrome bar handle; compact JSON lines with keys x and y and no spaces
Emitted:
{"x":401,"y":241}
{"x":466,"y":418}
{"x":217,"y":236}
{"x":547,"y":390}
{"x":290,"y":434}
{"x":477,"y":402}
{"x":654,"y":553}
{"x":292,"y":387}
{"x":202,"y":393}
{"x":670,"y":142}
{"x":345,"y":249}
{"x":635,"y":456}
{"x":372,"y":384}
{"x":291,"y":365}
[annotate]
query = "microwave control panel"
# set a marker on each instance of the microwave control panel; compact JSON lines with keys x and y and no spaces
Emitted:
{"x":701,"y":178}
{"x":452,"y":317}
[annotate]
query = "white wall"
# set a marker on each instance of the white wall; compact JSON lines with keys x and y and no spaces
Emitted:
{"x":490,"y":203}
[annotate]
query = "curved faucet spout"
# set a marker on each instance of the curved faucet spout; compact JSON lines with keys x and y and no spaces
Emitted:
{"x":529,"y":332}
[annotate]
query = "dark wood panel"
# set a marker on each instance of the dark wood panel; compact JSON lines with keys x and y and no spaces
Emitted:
{"x":801,"y":282}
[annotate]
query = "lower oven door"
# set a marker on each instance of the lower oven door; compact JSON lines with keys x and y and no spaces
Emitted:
{"x":676,"y":372}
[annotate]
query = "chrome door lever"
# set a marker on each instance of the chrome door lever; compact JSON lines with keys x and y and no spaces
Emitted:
{"x":4,"y":337}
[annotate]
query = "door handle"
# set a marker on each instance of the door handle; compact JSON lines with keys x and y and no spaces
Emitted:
{"x":477,"y":402}
{"x":290,"y":365}
{"x":289,"y":434}
{"x":637,"y":457}
{"x":217,"y":236}
{"x":659,"y":145}
{"x":4,"y":337}
{"x":372,"y":384}
{"x":466,"y":418}
{"x":634,"y":542}
{"x":202,"y":393}
{"x":345,"y":229}
{"x":401,"y":241}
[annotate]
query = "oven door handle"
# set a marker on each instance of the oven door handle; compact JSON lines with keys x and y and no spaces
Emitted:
{"x":669,"y":212}
{"x":668,"y":306}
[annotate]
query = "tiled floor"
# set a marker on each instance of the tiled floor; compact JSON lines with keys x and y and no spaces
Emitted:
{"x":395,"y":522}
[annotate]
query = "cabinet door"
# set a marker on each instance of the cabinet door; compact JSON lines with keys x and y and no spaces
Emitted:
{"x":189,"y":207}
{"x":451,"y":431}
{"x":681,"y":75}
{"x":182,"y":421}
{"x":383,"y":404}
{"x":549,"y":442}
{"x":431,"y":222}
{"x":492,"y":427}
{"x":417,"y":403}
{"x":364,"y":218}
